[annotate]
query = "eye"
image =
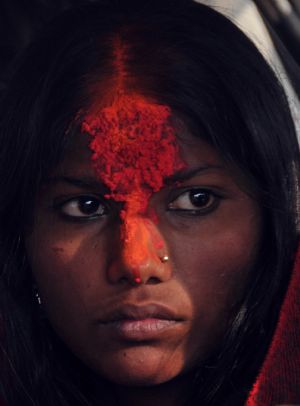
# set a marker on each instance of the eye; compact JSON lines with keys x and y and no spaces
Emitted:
{"x":195,"y":201}
{"x":83,"y":207}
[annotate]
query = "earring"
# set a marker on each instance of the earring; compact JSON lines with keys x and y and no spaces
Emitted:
{"x":37,"y":295}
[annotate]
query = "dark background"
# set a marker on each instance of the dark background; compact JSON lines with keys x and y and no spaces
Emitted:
{"x":20,"y":20}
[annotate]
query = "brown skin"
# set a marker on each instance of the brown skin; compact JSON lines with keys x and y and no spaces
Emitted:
{"x":81,"y":276}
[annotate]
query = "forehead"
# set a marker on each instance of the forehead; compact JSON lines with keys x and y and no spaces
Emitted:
{"x":194,"y":151}
{"x":133,"y":133}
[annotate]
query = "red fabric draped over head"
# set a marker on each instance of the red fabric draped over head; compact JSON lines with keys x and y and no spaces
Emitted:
{"x":279,"y":379}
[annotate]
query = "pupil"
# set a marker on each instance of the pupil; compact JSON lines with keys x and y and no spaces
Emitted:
{"x":199,"y":198}
{"x":88,"y":206}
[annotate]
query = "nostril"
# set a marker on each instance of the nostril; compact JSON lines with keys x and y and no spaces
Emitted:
{"x":153,"y":281}
{"x":123,"y":280}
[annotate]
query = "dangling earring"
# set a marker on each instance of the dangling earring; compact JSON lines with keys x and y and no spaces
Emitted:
{"x":37,"y":295}
{"x":40,"y":310}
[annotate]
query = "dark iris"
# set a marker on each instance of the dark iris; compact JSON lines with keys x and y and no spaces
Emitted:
{"x":89,"y":206}
{"x":199,"y":198}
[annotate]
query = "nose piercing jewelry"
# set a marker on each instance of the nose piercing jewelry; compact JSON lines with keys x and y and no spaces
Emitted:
{"x":164,"y":259}
{"x":137,"y":280}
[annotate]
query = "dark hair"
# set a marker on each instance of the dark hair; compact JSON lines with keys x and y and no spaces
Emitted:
{"x":193,"y":59}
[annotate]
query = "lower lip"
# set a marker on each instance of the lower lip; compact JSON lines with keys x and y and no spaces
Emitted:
{"x":139,"y":330}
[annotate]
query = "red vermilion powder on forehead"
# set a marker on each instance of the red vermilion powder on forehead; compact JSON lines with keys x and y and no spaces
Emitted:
{"x":134,"y":149}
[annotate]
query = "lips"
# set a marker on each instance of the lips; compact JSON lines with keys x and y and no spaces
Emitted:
{"x":138,"y":323}
{"x":138,"y":312}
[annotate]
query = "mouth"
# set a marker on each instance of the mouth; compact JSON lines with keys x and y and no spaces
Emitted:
{"x":140,"y":323}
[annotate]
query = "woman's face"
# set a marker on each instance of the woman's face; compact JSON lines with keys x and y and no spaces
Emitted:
{"x":150,"y":332}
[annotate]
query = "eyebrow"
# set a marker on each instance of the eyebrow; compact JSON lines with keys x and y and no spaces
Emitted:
{"x":189,"y":174}
{"x":85,"y":182}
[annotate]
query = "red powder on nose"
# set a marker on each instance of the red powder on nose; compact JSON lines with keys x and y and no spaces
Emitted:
{"x":134,"y":149}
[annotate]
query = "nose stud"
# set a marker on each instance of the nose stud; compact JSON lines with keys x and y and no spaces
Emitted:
{"x":138,"y":280}
{"x":164,"y":259}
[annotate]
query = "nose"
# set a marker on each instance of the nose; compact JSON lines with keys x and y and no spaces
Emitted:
{"x":144,"y":257}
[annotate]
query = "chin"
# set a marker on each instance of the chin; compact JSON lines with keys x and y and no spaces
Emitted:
{"x":140,"y":366}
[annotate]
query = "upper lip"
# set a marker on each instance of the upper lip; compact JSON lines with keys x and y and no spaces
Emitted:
{"x":139,"y":312}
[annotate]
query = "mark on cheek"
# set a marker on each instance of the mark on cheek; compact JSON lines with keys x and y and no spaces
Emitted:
{"x":58,"y":250}
{"x":134,"y":149}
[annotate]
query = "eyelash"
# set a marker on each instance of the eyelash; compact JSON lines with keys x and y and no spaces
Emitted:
{"x":213,"y":200}
{"x":99,"y":204}
{"x":74,"y":204}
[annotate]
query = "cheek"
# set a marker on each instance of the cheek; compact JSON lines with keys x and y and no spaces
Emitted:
{"x":68,"y":267}
{"x":214,"y":257}
{"x":214,"y":270}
